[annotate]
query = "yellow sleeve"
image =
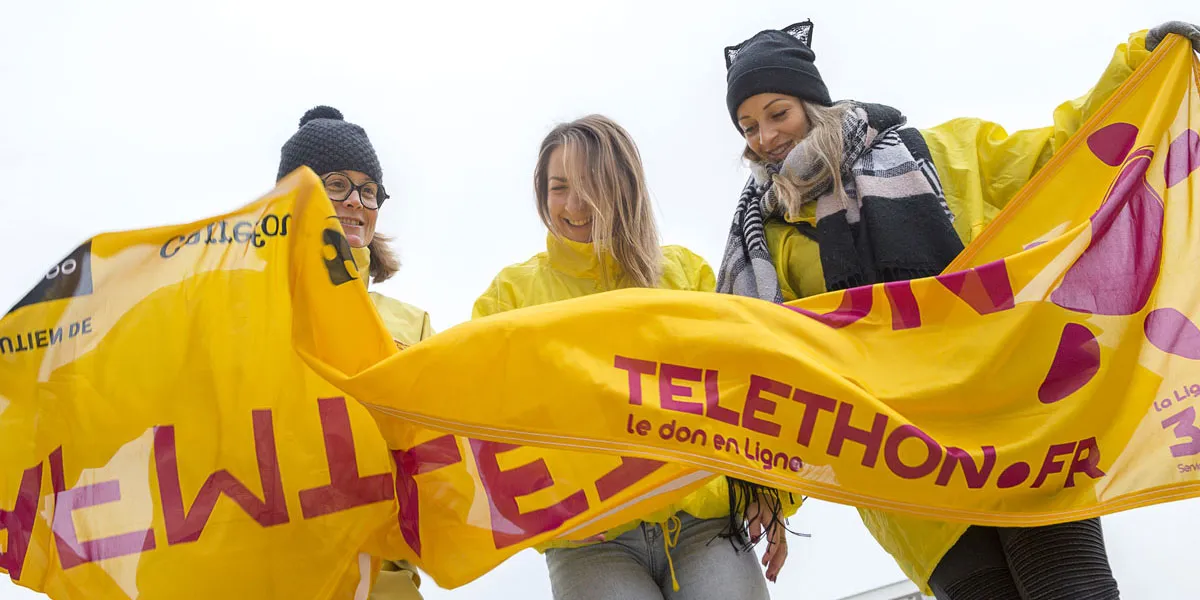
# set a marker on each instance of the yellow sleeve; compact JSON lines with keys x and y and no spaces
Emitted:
{"x":396,"y":581}
{"x":791,"y":502}
{"x":700,"y":273}
{"x":494,"y":300}
{"x":686,"y":271}
{"x":426,"y":328}
{"x":982,"y":167}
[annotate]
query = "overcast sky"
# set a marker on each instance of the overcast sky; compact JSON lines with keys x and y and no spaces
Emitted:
{"x":121,"y":115}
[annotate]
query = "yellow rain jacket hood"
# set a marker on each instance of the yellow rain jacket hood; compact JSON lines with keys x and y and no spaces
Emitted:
{"x":570,"y":269}
{"x":981,"y":168}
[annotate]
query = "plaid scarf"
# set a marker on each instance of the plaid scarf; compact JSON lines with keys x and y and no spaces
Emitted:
{"x":893,"y":222}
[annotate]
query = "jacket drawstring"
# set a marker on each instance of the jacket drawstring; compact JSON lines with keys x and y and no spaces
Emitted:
{"x":671,"y":530}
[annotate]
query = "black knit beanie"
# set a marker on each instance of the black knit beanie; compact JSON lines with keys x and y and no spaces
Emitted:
{"x":774,"y":61}
{"x":326,"y":142}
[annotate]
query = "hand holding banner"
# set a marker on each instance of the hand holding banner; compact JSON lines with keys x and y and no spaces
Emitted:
{"x":163,"y":437}
{"x":1038,"y":380}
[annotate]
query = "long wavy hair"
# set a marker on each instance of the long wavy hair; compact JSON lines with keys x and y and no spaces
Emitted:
{"x":604,"y":168}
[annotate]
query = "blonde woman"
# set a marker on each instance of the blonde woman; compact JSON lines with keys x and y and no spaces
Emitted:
{"x":591,"y":194}
{"x":842,"y":195}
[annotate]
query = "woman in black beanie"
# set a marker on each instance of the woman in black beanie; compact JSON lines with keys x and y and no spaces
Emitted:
{"x":342,"y":156}
{"x":842,"y":195}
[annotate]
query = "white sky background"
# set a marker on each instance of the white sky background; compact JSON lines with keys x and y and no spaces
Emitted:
{"x":122,"y":115}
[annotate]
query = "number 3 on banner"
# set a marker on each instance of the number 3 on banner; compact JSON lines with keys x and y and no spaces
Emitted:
{"x":1185,"y":429}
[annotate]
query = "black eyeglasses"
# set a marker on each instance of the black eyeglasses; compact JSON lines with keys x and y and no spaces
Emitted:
{"x":339,"y":187}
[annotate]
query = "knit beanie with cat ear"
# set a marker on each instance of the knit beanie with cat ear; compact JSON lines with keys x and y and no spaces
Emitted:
{"x":774,"y":61}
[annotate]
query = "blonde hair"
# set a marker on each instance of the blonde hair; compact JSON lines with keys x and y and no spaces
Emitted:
{"x":823,"y":146}
{"x":384,"y":262}
{"x":604,"y":169}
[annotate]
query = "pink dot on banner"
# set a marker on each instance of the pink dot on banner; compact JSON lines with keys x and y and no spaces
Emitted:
{"x":1112,"y":143}
{"x":1014,"y":475}
{"x":1183,"y":157}
{"x":1172,"y":332}
{"x":1076,"y":362}
{"x":1117,"y":272}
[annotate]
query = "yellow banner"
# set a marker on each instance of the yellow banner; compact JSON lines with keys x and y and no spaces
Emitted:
{"x":177,"y":419}
{"x":1050,"y":374}
{"x":162,"y":438}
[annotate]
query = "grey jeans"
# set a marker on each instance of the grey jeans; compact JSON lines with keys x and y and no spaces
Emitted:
{"x":634,"y":566}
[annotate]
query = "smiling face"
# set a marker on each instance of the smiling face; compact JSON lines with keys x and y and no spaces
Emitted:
{"x":590,"y":187}
{"x":357,"y":221}
{"x":773,"y":124}
{"x":570,"y":215}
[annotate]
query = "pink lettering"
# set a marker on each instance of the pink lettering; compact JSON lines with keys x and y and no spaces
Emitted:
{"x":668,"y":391}
{"x":510,"y":526}
{"x":18,"y":522}
{"x":630,"y":471}
{"x":871,"y":439}
{"x":71,"y":551}
{"x":346,"y":489}
{"x":187,"y":525}
{"x":1184,"y":423}
{"x":986,"y":289}
{"x":891,"y":453}
{"x":1088,"y":465}
{"x":636,"y":369}
{"x":756,"y":403}
{"x":813,"y":405}
{"x":856,"y":304}
{"x":905,"y":312}
{"x":712,"y":401}
{"x":975,"y":475}
{"x":420,"y":459}
{"x":1052,"y":464}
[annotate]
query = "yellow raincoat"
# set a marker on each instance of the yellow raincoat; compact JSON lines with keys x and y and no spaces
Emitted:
{"x":570,"y":269}
{"x":408,"y":325}
{"x":981,"y":168}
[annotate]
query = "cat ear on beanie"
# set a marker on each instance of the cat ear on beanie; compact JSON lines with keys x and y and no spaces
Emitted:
{"x":779,"y":61}
{"x":802,"y":31}
{"x":731,"y":53}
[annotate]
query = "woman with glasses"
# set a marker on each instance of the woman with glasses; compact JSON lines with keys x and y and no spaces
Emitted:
{"x":342,"y":155}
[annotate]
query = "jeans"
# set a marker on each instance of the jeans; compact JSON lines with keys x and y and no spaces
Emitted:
{"x":635,"y":566}
{"x":1056,"y":562}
